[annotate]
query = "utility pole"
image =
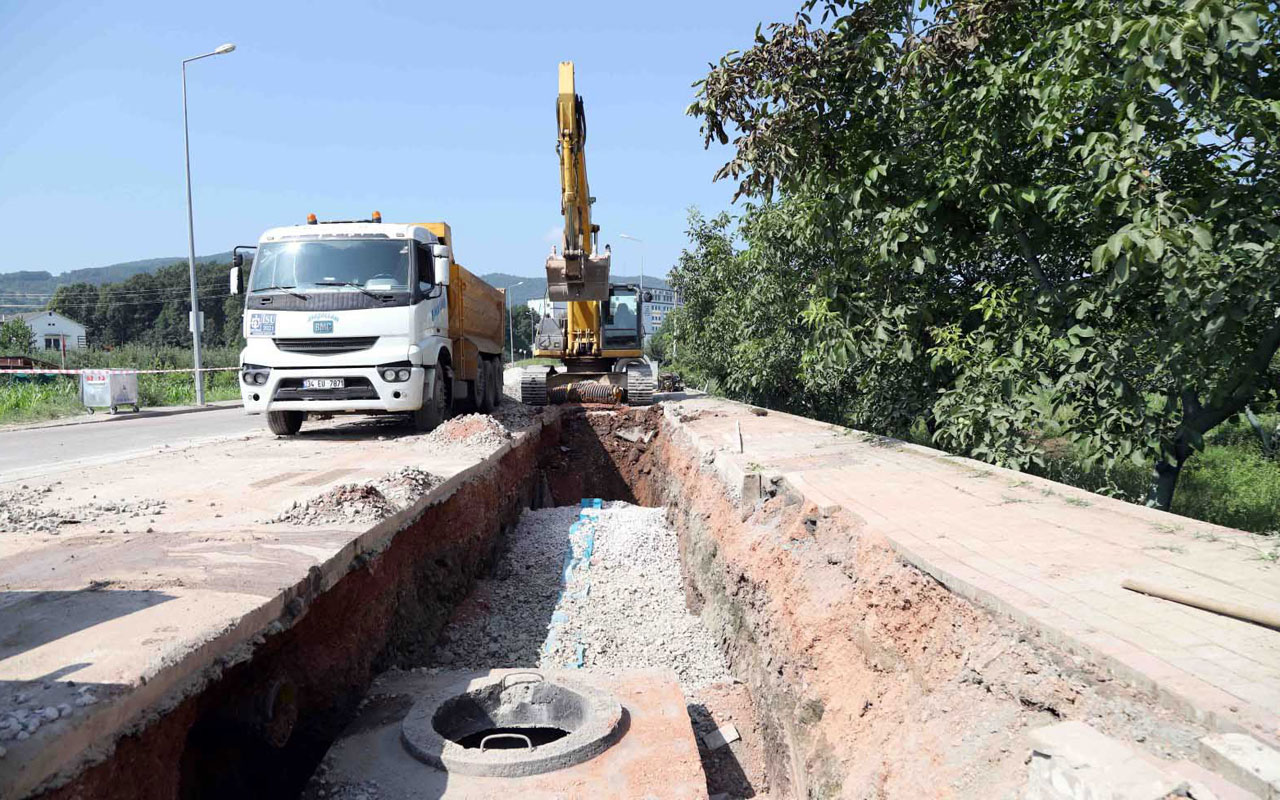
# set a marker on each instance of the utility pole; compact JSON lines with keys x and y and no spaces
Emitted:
{"x":644,"y":322}
{"x":191,"y":228}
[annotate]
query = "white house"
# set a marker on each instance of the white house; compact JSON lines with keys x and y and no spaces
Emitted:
{"x":52,"y":331}
{"x":664,"y":301}
{"x":541,"y":304}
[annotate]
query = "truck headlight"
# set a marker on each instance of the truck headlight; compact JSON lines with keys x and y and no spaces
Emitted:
{"x":396,"y":373}
{"x":254,"y":375}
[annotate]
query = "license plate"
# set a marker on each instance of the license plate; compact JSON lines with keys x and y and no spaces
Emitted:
{"x":323,"y":383}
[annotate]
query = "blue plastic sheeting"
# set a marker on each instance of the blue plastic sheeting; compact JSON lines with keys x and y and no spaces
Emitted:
{"x":577,"y":563}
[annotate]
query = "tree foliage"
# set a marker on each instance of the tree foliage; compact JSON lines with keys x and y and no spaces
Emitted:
{"x":992,"y":208}
{"x":152,"y":308}
{"x":16,"y":337}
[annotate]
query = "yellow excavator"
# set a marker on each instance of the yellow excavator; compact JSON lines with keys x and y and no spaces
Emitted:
{"x":599,"y":338}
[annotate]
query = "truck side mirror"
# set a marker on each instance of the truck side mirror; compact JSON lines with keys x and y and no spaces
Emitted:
{"x":235,"y":277}
{"x":443,"y":257}
{"x":648,"y":297}
{"x":237,"y":259}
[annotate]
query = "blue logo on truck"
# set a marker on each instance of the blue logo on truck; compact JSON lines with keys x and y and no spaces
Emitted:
{"x":262,"y":324}
{"x":322,"y":326}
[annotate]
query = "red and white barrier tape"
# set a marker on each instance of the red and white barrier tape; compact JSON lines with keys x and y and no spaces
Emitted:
{"x":109,"y":371}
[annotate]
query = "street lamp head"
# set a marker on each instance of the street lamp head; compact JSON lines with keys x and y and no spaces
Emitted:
{"x":226,"y":48}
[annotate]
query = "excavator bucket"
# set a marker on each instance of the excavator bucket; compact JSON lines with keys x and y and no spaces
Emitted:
{"x":578,"y":277}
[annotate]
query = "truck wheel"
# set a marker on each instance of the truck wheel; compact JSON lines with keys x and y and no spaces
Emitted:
{"x":285,"y":423}
{"x":484,"y":386}
{"x":496,"y":364}
{"x":433,"y":410}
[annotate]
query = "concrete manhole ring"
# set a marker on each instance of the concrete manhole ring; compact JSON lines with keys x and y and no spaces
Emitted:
{"x":511,"y":724}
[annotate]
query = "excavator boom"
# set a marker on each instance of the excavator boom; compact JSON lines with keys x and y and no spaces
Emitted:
{"x":575,"y":272}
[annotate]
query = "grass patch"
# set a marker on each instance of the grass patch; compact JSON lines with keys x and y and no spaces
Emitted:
{"x":26,"y":400}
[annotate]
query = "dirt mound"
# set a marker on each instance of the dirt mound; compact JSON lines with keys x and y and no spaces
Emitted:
{"x":407,"y":484}
{"x":479,"y":432}
{"x":350,"y":502}
{"x":363,"y":503}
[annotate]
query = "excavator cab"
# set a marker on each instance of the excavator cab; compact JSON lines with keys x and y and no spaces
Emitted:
{"x":622,"y":319}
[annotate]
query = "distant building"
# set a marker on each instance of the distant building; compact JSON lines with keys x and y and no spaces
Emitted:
{"x":539,"y":308}
{"x":663,"y":303}
{"x":52,"y":331}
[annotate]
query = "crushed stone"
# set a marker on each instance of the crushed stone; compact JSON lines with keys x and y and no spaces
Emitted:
{"x":478,"y":433}
{"x":623,"y":608}
{"x":34,"y":509}
{"x":362,"y":503}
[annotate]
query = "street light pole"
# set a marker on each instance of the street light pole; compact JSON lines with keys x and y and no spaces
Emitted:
{"x":191,"y":228}
{"x":644,"y":323}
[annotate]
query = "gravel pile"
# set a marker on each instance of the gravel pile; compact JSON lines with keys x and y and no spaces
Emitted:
{"x":29,"y":509}
{"x":405,"y":485}
{"x":362,"y":503}
{"x":471,"y":432}
{"x":617,"y":603}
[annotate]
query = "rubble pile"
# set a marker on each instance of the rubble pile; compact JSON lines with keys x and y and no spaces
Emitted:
{"x":32,"y":509}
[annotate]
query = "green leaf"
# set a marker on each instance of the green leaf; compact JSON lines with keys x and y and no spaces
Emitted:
{"x":1155,"y":246}
{"x":1202,"y":237}
{"x":1123,"y":182}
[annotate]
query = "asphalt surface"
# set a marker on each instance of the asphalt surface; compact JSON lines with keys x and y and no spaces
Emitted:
{"x":41,"y":451}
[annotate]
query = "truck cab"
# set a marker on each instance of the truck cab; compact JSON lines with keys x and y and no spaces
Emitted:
{"x":358,"y":317}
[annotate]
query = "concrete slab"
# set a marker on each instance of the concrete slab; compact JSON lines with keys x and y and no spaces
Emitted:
{"x":118,"y":616}
{"x":657,"y":757}
{"x":1245,"y":760}
{"x":1050,"y":556}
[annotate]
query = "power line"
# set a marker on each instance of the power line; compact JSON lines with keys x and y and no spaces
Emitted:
{"x":112,"y":305}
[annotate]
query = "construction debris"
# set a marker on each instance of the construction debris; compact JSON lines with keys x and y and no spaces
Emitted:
{"x":32,"y":509}
{"x":362,"y":503}
{"x":725,"y":734}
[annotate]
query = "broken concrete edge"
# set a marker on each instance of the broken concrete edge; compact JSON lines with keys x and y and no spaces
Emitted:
{"x":1224,"y":713}
{"x":131,"y":709}
{"x":1076,"y":760}
{"x":146,"y":413}
{"x":1245,"y":761}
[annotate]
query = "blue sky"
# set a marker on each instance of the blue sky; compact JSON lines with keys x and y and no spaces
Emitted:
{"x":423,"y":110}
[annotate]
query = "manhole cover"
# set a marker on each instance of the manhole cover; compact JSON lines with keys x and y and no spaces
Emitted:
{"x":519,"y":725}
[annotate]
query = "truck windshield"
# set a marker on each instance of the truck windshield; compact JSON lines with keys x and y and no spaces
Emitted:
{"x":343,"y":265}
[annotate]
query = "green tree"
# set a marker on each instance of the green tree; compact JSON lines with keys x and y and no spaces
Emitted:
{"x":523,"y":323}
{"x":1000,"y":207}
{"x":16,"y":337}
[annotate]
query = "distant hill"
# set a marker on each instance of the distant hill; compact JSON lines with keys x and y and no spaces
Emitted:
{"x":21,"y":290}
{"x":24,"y":288}
{"x":536,"y":288}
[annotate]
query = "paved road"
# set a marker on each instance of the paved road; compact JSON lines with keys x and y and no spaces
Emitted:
{"x":40,"y":451}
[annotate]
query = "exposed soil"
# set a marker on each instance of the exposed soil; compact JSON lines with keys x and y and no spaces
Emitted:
{"x":386,"y":612}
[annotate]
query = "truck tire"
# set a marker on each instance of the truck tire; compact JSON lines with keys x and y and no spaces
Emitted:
{"x":435,"y":407}
{"x":484,"y":386}
{"x":285,"y":423}
{"x":498,"y":393}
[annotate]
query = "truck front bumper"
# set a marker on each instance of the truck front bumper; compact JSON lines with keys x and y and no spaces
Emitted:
{"x":364,"y":391}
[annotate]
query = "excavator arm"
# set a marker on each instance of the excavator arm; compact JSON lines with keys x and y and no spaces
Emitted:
{"x":575,"y":272}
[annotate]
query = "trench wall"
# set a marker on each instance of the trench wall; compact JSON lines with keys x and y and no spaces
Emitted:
{"x":386,"y":611}
{"x":869,"y":678}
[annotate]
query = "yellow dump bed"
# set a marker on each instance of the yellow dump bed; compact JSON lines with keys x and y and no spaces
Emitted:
{"x":477,"y":321}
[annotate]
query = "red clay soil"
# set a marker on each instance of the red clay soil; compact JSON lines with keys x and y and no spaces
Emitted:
{"x":869,"y":678}
{"x":385,"y":612}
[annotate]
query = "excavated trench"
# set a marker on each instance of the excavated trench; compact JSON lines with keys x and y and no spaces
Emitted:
{"x":855,"y":674}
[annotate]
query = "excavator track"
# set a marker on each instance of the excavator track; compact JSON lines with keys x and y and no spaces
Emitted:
{"x":640,"y":385}
{"x":533,"y":387}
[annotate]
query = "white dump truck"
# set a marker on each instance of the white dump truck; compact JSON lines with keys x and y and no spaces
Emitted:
{"x":365,"y":317}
